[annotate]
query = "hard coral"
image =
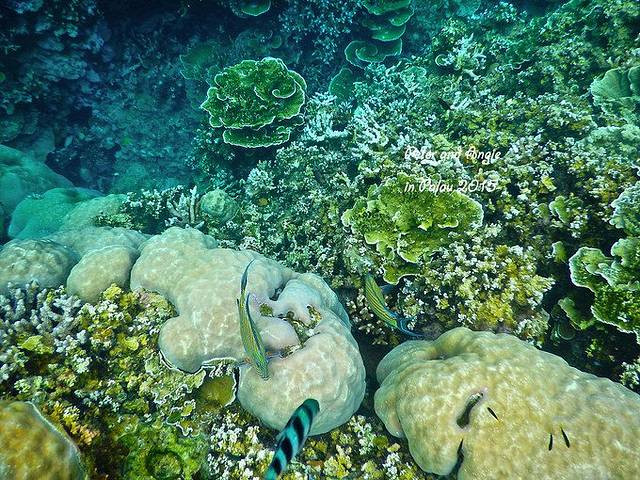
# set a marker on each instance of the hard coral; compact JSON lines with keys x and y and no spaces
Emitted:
{"x":406,"y":222}
{"x":305,"y":318}
{"x":386,"y":22}
{"x":476,"y":396}
{"x":257,"y":103}
{"x":33,"y":448}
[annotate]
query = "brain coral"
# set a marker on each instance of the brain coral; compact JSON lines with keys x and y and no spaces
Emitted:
{"x":510,"y":410}
{"x":32,"y":448}
{"x":296,"y":313}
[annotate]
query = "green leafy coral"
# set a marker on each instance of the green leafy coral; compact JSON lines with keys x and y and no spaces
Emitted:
{"x":256,"y":103}
{"x":386,"y":24}
{"x":615,"y":280}
{"x":250,"y":8}
{"x":407,"y":223}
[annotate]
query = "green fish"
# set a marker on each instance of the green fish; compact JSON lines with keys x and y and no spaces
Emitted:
{"x":251,"y":339}
{"x":292,"y":437}
{"x":375,"y":300}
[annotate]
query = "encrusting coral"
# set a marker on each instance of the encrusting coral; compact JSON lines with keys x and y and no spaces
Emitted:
{"x":498,"y":407}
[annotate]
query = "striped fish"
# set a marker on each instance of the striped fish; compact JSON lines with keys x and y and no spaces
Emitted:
{"x":251,"y":339}
{"x":376,"y":302}
{"x":292,"y":437}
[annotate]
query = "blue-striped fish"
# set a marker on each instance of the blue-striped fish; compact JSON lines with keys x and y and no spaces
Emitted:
{"x":251,"y":339}
{"x":292,"y":437}
{"x":375,"y":300}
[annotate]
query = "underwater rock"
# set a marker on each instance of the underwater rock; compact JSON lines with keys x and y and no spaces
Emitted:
{"x":33,"y":448}
{"x":508,"y":409}
{"x":203,"y":282}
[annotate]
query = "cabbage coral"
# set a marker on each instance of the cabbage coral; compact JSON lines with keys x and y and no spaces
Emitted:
{"x":386,"y":22}
{"x":406,"y":224}
{"x":256,"y":103}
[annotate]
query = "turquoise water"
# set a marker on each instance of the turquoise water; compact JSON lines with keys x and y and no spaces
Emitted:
{"x":422,"y":215}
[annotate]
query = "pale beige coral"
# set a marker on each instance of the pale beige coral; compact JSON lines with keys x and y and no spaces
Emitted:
{"x":45,"y":262}
{"x":49,"y":261}
{"x":326,"y":367}
{"x":203,"y":283}
{"x":32,"y":448}
{"x":553,"y":421}
{"x":100,"y":268}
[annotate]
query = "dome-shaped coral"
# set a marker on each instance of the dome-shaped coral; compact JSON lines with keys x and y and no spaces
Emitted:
{"x":32,"y":448}
{"x":507,"y":410}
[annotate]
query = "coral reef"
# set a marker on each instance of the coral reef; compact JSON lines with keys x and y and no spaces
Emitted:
{"x":37,"y":217}
{"x":257,"y":103}
{"x":21,"y":175}
{"x":359,"y":449}
{"x":52,"y":261}
{"x":95,"y":371}
{"x":43,"y":261}
{"x":406,"y":224}
{"x":386,"y":22}
{"x":478,"y":395}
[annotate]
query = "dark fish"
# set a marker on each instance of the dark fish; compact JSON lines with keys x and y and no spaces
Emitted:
{"x":493,"y":414}
{"x":375,"y":300}
{"x":251,"y":339}
{"x":292,"y":437}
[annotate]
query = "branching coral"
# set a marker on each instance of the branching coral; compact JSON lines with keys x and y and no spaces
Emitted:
{"x":359,"y":449}
{"x":96,"y":372}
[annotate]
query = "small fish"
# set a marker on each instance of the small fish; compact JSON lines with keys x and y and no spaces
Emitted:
{"x":292,"y":437}
{"x":251,"y":339}
{"x":375,"y":300}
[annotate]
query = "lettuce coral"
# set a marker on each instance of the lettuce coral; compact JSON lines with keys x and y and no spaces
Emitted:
{"x":407,"y":223}
{"x":257,"y":103}
{"x":615,"y":280}
{"x":386,"y":22}
{"x":497,"y":407}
